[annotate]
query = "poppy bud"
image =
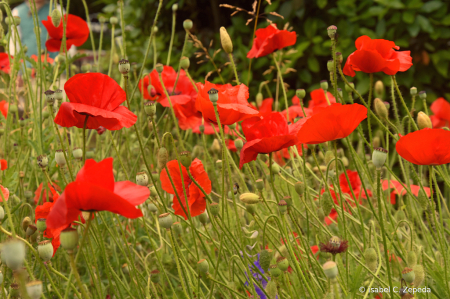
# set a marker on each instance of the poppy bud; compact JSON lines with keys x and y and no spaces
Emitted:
{"x":301,"y":93}
{"x":423,"y":95}
{"x":159,"y":68}
{"x":239,"y":143}
{"x":163,"y":157}
{"x":185,"y":63}
{"x":265,"y":257}
{"x":225,"y":39}
{"x":330,"y":65}
{"x":13,"y":252}
{"x":142,"y":178}
{"x":332,"y":31}
{"x":34,"y":289}
{"x":370,"y":256}
{"x":214,"y":208}
{"x":349,"y":87}
{"x":17,"y":20}
{"x":259,"y":184}
{"x":45,"y":249}
{"x":69,"y":239}
{"x":31,"y":229}
{"x":59,"y":157}
{"x":379,"y":89}
{"x":77,"y":153}
{"x":329,"y":156}
{"x":330,"y":269}
{"x":275,"y":271}
{"x":275,"y":168}
{"x":165,"y":220}
{"x":376,"y":141}
{"x":249,"y":198}
{"x":326,"y":203}
{"x":411,"y":259}
{"x":423,"y":121}
{"x":203,"y":266}
{"x":203,"y":218}
{"x":113,"y":20}
{"x":2,"y":213}
{"x":215,"y":146}
{"x":282,"y":206}
{"x":56,"y":17}
{"x":413,"y":91}
{"x":185,"y":159}
{"x":379,"y":156}
{"x":25,"y":222}
{"x":299,"y":187}
{"x":124,"y":66}
{"x":251,"y":209}
{"x":380,"y":108}
{"x":201,"y":128}
{"x":419,"y":274}
{"x":272,"y":289}
{"x":42,"y":161}
{"x":422,"y":198}
{"x":232,"y":126}
{"x":41,"y":224}
{"x":339,"y":57}
{"x":213,"y":95}
{"x":187,"y":24}
{"x":324,"y":85}
{"x":150,"y":109}
{"x":49,"y":97}
{"x":408,"y":275}
{"x":155,"y":176}
{"x":283,"y":263}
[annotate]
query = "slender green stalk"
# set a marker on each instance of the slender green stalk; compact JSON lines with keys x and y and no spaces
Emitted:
{"x":172,"y":36}
{"x":84,"y":138}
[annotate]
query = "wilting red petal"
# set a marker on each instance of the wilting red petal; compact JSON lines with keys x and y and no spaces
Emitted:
{"x":425,"y":147}
{"x":53,"y":195}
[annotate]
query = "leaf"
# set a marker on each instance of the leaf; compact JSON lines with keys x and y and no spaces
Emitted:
{"x":313,"y":64}
{"x":322,"y":3}
{"x":446,"y":20}
{"x":414,"y":29}
{"x":408,"y":17}
{"x":381,"y":28}
{"x":431,"y":6}
{"x":425,"y":24}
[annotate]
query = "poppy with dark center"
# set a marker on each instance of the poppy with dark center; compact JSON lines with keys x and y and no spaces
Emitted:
{"x":51,"y":195}
{"x":195,"y":197}
{"x":425,"y":147}
{"x":232,"y":104}
{"x":441,"y":110}
{"x":377,"y":55}
{"x":184,"y":90}
{"x":4,"y":108}
{"x":270,"y":39}
{"x":98,"y":97}
{"x":334,"y":246}
{"x":5,"y":67}
{"x":265,"y":136}
{"x":94,"y":189}
{"x":332,"y":122}
{"x":77,"y":32}
{"x":398,"y":189}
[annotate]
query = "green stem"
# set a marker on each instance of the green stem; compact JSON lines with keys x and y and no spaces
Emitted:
{"x":280,"y":76}
{"x":172,"y":36}
{"x":84,"y":138}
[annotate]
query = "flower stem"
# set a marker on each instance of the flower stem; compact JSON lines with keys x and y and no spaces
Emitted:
{"x":394,"y":81}
{"x":233,"y":66}
{"x":174,"y":19}
{"x":280,"y":76}
{"x":84,"y":138}
{"x":77,"y":275}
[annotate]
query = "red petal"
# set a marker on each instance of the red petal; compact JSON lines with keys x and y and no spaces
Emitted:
{"x":4,"y":164}
{"x":97,"y":173}
{"x":131,"y":192}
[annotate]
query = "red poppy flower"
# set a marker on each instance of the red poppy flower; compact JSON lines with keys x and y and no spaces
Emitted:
{"x":318,"y":99}
{"x":232,"y":104}
{"x":94,"y":189}
{"x":4,"y":164}
{"x":270,"y":39}
{"x":4,"y":108}
{"x":377,"y":55}
{"x":41,"y":212}
{"x":265,"y":107}
{"x":265,"y":136}
{"x":51,"y":196}
{"x":4,"y":63}
{"x":97,"y":96}
{"x":77,"y":32}
{"x":400,"y":190}
{"x":5,"y":192}
{"x":143,"y":87}
{"x":196,"y":198}
{"x":188,"y":116}
{"x":425,"y":147}
{"x":43,"y":58}
{"x":441,"y":110}
{"x":332,"y":122}
{"x":184,"y":91}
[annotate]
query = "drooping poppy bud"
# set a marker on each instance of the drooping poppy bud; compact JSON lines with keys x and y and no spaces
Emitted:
{"x":419,"y":273}
{"x":411,"y":259}
{"x":239,"y":144}
{"x":249,"y":198}
{"x":163,"y":157}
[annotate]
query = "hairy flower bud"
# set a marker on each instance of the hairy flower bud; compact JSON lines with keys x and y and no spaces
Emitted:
{"x":330,"y":269}
{"x":422,"y":198}
{"x":326,"y":203}
{"x":423,"y":121}
{"x":187,"y":24}
{"x":349,"y":87}
{"x":379,"y":89}
{"x":275,"y":168}
{"x":203,"y":218}
{"x":259,"y":184}
{"x":163,"y":157}
{"x":380,"y":108}
{"x":239,"y":144}
{"x":225,"y":39}
{"x":379,"y":156}
{"x":419,"y":273}
{"x":411,"y":259}
{"x":165,"y":220}
{"x":249,"y":198}
{"x":25,"y":223}
{"x":45,"y":249}
{"x":300,"y":93}
{"x":330,"y":65}
{"x":370,"y":256}
{"x":185,"y":63}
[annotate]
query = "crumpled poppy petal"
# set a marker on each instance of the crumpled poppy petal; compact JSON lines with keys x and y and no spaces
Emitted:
{"x":133,"y":193}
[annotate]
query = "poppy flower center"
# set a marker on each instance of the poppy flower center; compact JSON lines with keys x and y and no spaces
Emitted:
{"x":175,"y":93}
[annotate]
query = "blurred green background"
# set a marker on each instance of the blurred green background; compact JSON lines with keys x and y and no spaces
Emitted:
{"x":423,"y":27}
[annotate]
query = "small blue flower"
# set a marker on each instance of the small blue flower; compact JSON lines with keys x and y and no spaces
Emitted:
{"x":262,"y":280}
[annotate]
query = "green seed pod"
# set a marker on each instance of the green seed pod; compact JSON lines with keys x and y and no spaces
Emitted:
{"x":259,"y":184}
{"x":349,"y":88}
{"x":282,"y":207}
{"x":185,"y":159}
{"x":165,"y":220}
{"x":177,"y":228}
{"x":185,"y":63}
{"x":203,"y":218}
{"x":324,"y":85}
{"x":275,"y":271}
{"x":419,"y":273}
{"x":213,"y":95}
{"x":15,"y":293}
{"x":331,"y":30}
{"x":275,"y":168}
{"x":423,"y":200}
{"x":408,"y":275}
{"x":265,"y":257}
{"x":288,"y":200}
{"x":114,"y":20}
{"x":399,"y":235}
{"x":300,"y":93}
{"x":31,"y":229}
{"x":142,"y":178}
{"x":249,"y":198}
{"x":35,"y":289}
{"x":69,"y":239}
{"x":45,"y":249}
{"x":370,"y":256}
{"x":379,"y":156}
{"x":413,"y":91}
{"x":339,"y":57}
{"x":299,"y":187}
{"x":124,"y":66}
{"x":326,"y":203}
{"x":155,"y":276}
{"x":86,"y":68}
{"x":423,"y":95}
{"x":330,"y":269}
{"x":214,"y":209}
{"x":239,"y":144}
{"x":159,"y":67}
{"x":283,"y":263}
{"x":13,"y":251}
{"x":77,"y":153}
{"x":203,"y":266}
{"x":153,"y":192}
{"x":59,"y":158}
{"x":150,"y":108}
{"x":187,"y":24}
{"x":152,"y":208}
{"x":90,"y":154}
{"x":411,"y":259}
{"x":163,"y":157}
{"x":251,"y":208}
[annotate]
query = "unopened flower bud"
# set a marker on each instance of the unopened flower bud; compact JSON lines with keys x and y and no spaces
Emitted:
{"x":187,"y":24}
{"x":215,"y":146}
{"x":423,"y":121}
{"x":159,"y":67}
{"x":324,"y":85}
{"x":283,"y":263}
{"x":301,"y":93}
{"x":163,"y":157}
{"x":349,"y":87}
{"x":2,"y":213}
{"x":142,"y":178}
{"x":177,"y":228}
{"x":165,"y":220}
{"x":35,"y":289}
{"x":299,"y":187}
{"x":203,"y":218}
{"x":175,"y":7}
{"x":239,"y":144}
{"x":330,"y":269}
{"x":225,"y":39}
{"x":213,"y":95}
{"x":376,"y":141}
{"x":419,"y":273}
{"x":214,"y":208}
{"x":423,"y":200}
{"x":259,"y":184}
{"x":185,"y":62}
{"x":380,"y":108}
{"x":124,"y":66}
{"x":249,"y":198}
{"x":275,"y":271}
{"x":25,"y":222}
{"x":203,"y":266}
{"x":69,"y":239}
{"x":370,"y":256}
{"x":275,"y":168}
{"x":408,"y":275}
{"x":45,"y":249}
{"x":56,"y":17}
{"x":379,"y":156}
{"x":113,"y":20}
{"x":251,"y":208}
{"x":77,"y":153}
{"x":332,"y":31}
{"x":423,"y":95}
{"x":326,"y":203}
{"x":282,"y":206}
{"x":42,"y":161}
{"x":330,"y":65}
{"x":59,"y":157}
{"x":379,"y":89}
{"x":413,"y":91}
{"x":201,"y":128}
{"x":185,"y":159}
